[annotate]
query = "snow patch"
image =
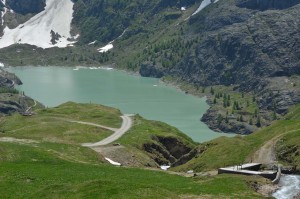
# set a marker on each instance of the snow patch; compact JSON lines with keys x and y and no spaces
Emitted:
{"x":113,"y":162}
{"x":1,"y":65}
{"x":2,"y":15}
{"x":165,"y":168}
{"x":92,"y":43}
{"x":203,"y":5}
{"x":110,"y":45}
{"x":93,"y":68}
{"x":183,"y":8}
{"x":56,"y":17}
{"x":106,"y":48}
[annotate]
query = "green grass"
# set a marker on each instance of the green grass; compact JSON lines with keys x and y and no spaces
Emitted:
{"x":36,"y":173}
{"x":288,"y":149}
{"x":97,"y":114}
{"x":56,"y":166}
{"x":43,"y":128}
{"x":53,"y":125}
{"x":231,"y":151}
{"x":144,"y":130}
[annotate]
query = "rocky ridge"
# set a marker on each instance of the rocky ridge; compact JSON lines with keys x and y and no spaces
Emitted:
{"x":11,"y":101}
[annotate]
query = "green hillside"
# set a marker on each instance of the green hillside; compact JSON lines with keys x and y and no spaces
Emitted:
{"x":231,"y":151}
{"x":41,"y":156}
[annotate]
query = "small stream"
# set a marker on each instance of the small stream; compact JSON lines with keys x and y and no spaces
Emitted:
{"x":289,"y":187}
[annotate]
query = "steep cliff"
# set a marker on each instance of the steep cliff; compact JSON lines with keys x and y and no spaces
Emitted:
{"x":11,"y":100}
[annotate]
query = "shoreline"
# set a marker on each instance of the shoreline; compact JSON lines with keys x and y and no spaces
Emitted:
{"x":208,"y":118}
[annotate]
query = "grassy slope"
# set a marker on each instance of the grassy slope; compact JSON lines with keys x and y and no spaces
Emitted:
{"x":52,"y":125}
{"x":60,"y":168}
{"x":143,"y":131}
{"x":36,"y":173}
{"x":229,"y":151}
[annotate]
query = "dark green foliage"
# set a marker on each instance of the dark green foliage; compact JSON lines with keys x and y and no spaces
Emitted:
{"x":258,"y":122}
{"x":236,"y":105}
{"x":8,"y":90}
{"x":251,"y":121}
{"x":212,"y":91}
{"x":104,"y":20}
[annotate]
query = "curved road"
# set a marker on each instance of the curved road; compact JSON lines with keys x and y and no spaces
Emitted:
{"x":126,"y":125}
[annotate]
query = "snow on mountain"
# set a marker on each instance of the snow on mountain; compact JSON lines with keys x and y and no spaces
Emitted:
{"x":204,"y":4}
{"x":3,"y":12}
{"x":106,"y":48}
{"x":47,"y":29}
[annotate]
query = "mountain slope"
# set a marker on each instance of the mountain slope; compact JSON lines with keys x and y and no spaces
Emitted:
{"x":50,"y":27}
{"x":11,"y":100}
{"x":248,"y":46}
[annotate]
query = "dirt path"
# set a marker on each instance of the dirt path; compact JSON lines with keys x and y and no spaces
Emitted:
{"x":93,"y":124}
{"x":29,"y":108}
{"x":266,"y":154}
{"x":126,"y":125}
{"x":19,"y":141}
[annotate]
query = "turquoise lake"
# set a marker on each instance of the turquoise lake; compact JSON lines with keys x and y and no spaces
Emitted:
{"x":132,"y":94}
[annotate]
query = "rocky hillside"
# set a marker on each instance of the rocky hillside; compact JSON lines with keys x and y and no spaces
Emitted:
{"x":11,"y":100}
{"x":26,"y":7}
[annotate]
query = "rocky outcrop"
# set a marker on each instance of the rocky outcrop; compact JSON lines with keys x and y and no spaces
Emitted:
{"x":26,"y":6}
{"x":229,"y":126}
{"x":54,"y":37}
{"x":245,"y":53}
{"x":149,"y":69}
{"x":267,"y":4}
{"x":8,"y":80}
{"x":169,"y":151}
{"x":10,"y":99}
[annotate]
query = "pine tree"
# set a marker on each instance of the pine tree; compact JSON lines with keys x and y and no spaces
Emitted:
{"x":258,"y":122}
{"x":212,"y":91}
{"x":251,"y":121}
{"x":215,"y":100}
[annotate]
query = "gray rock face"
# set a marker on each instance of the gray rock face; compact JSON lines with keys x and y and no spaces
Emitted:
{"x":211,"y":118}
{"x":10,"y":100}
{"x":27,"y":6}
{"x":149,"y":69}
{"x":264,"y":45}
{"x":267,"y":4}
{"x":8,"y":80}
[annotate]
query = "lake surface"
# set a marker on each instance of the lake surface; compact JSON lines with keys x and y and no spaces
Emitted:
{"x":132,"y":94}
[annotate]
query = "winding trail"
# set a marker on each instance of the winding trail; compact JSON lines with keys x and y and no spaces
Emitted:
{"x":126,"y":125}
{"x":29,"y":108}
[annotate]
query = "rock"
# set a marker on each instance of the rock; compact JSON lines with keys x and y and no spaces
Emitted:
{"x":54,"y":37}
{"x":149,"y":69}
{"x":169,"y":151}
{"x":10,"y":100}
{"x":267,"y":4}
{"x":8,"y":79}
{"x":26,"y":6}
{"x":233,"y":126}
